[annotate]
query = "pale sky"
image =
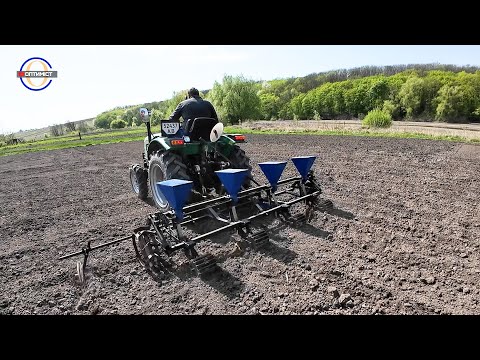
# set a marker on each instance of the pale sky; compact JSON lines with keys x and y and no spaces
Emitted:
{"x":92,"y":79}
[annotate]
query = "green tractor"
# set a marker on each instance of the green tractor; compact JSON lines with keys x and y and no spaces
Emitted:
{"x":192,"y":151}
{"x":199,"y":176}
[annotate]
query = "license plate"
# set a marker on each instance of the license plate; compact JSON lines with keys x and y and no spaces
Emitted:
{"x":170,"y":128}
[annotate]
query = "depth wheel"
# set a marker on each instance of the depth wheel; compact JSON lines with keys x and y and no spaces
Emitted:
{"x":150,"y":253}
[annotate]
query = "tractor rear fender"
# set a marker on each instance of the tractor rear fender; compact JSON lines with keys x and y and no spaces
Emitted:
{"x":157,"y":143}
{"x":226,"y":144}
{"x":226,"y":139}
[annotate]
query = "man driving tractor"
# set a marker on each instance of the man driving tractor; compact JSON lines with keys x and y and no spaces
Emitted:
{"x":193,"y":107}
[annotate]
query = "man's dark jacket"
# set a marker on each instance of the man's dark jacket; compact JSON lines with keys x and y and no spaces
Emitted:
{"x":193,"y":108}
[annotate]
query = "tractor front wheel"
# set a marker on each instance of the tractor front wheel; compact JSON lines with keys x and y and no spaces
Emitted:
{"x":165,"y":166}
{"x":138,"y":179}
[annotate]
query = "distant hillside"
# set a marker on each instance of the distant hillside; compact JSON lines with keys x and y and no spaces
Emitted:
{"x":38,"y":134}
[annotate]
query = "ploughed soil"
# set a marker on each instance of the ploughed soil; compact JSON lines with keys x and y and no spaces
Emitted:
{"x":403,"y":237}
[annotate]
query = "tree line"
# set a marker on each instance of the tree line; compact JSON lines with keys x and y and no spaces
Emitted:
{"x":421,"y":92}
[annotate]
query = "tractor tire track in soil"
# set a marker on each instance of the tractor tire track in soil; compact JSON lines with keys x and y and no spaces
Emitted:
{"x":403,"y":238}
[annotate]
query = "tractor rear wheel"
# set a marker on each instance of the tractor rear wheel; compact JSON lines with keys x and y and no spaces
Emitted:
{"x":240,"y":160}
{"x":165,"y":166}
{"x":138,"y":179}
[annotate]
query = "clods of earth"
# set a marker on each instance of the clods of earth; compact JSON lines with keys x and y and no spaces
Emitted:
{"x":403,"y":237}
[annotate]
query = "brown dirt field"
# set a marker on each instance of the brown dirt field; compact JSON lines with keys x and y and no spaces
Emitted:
{"x":411,"y":245}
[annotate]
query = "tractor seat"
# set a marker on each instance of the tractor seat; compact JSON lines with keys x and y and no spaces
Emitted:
{"x":200,"y":127}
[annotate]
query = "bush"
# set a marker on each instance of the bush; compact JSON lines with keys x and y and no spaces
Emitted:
{"x":118,"y":124}
{"x":378,"y":118}
{"x":102,"y":122}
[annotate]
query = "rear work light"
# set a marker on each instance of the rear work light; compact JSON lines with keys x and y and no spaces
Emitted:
{"x":177,"y":142}
{"x":239,"y":138}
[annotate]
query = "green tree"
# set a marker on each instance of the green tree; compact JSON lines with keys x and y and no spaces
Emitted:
{"x":137,"y":120}
{"x":104,"y":119}
{"x":411,"y":96}
{"x":304,"y":105}
{"x":377,"y":93}
{"x":297,"y":108}
{"x":155,"y":117}
{"x":128,"y":115}
{"x":391,"y":108}
{"x":235,"y":99}
{"x":172,"y":103}
{"x":355,"y":97}
{"x":455,"y":102}
{"x":118,"y":124}
{"x":269,"y":106}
